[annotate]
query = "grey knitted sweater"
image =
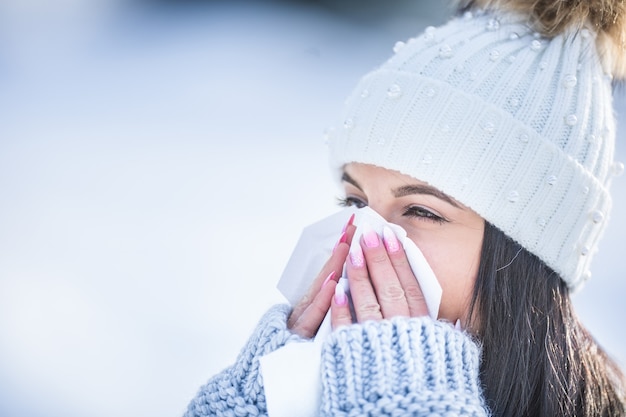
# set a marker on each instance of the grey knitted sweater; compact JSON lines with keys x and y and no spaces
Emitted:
{"x":397,"y":367}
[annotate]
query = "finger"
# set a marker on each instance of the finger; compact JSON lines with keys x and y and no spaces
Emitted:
{"x":385,"y":281}
{"x":311,"y":318}
{"x":339,"y":309}
{"x":412,"y":290}
{"x":345,"y":240}
{"x":334,"y":264}
{"x":364,"y":299}
{"x":310,"y":297}
{"x":350,"y":228}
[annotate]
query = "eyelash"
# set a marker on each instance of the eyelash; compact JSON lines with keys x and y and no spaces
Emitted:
{"x":417,"y":212}
{"x":350,"y":202}
{"x":423,"y":214}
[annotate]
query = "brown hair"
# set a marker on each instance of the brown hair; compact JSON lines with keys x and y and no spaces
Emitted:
{"x":538,"y":359}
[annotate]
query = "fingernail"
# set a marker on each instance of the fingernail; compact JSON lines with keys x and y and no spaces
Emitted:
{"x":390,"y":240}
{"x":356,"y":257}
{"x":350,"y":221}
{"x":370,"y":236}
{"x":328,"y":278}
{"x":342,"y":239}
{"x":340,"y":296}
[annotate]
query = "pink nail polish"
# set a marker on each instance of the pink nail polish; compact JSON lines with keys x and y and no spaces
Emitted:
{"x":342,"y":239}
{"x":350,"y":221}
{"x":370,"y":236}
{"x":390,"y":240}
{"x":340,"y":296}
{"x":328,"y":278}
{"x":356,"y":257}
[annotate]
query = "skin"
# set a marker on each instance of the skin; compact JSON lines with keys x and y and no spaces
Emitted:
{"x":383,"y":286}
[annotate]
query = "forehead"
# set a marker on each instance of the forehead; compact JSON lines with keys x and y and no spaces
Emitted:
{"x":364,"y":174}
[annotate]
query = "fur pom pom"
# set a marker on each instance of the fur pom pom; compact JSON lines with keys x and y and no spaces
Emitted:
{"x":551,"y":17}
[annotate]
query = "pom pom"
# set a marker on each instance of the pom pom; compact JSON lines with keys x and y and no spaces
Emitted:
{"x":552,"y":17}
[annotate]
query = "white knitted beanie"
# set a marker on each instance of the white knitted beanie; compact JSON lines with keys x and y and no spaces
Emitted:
{"x":516,"y":126}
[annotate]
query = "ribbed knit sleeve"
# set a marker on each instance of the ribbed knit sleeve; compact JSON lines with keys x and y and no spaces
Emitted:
{"x":416,"y":367}
{"x":238,"y":391}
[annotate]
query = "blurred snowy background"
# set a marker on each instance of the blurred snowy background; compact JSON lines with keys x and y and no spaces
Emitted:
{"x":158,"y":160}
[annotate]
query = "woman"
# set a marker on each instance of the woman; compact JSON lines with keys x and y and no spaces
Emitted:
{"x":490,"y":141}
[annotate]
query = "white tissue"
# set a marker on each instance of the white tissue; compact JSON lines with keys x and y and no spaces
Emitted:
{"x":313,"y":249}
{"x":291,"y":374}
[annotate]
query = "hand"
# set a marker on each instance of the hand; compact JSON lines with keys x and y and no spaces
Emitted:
{"x":308,"y":314}
{"x":382,"y":284}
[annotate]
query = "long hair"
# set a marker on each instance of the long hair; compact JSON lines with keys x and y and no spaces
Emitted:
{"x":538,"y":359}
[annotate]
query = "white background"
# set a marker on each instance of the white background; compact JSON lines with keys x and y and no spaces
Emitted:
{"x":156,"y":168}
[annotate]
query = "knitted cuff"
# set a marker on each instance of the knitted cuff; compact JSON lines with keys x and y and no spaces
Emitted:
{"x":401,"y":366}
{"x":238,"y":390}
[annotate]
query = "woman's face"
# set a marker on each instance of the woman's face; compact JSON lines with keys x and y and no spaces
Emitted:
{"x":449,"y":234}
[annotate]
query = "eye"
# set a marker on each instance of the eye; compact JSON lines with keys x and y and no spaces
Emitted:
{"x":351,"y":202}
{"x":423,"y":214}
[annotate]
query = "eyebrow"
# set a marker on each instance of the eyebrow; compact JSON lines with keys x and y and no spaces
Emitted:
{"x":347,"y":178}
{"x":424,"y":189}
{"x":409,"y":190}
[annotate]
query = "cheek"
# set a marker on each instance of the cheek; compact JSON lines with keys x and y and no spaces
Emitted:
{"x":455,"y":264}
